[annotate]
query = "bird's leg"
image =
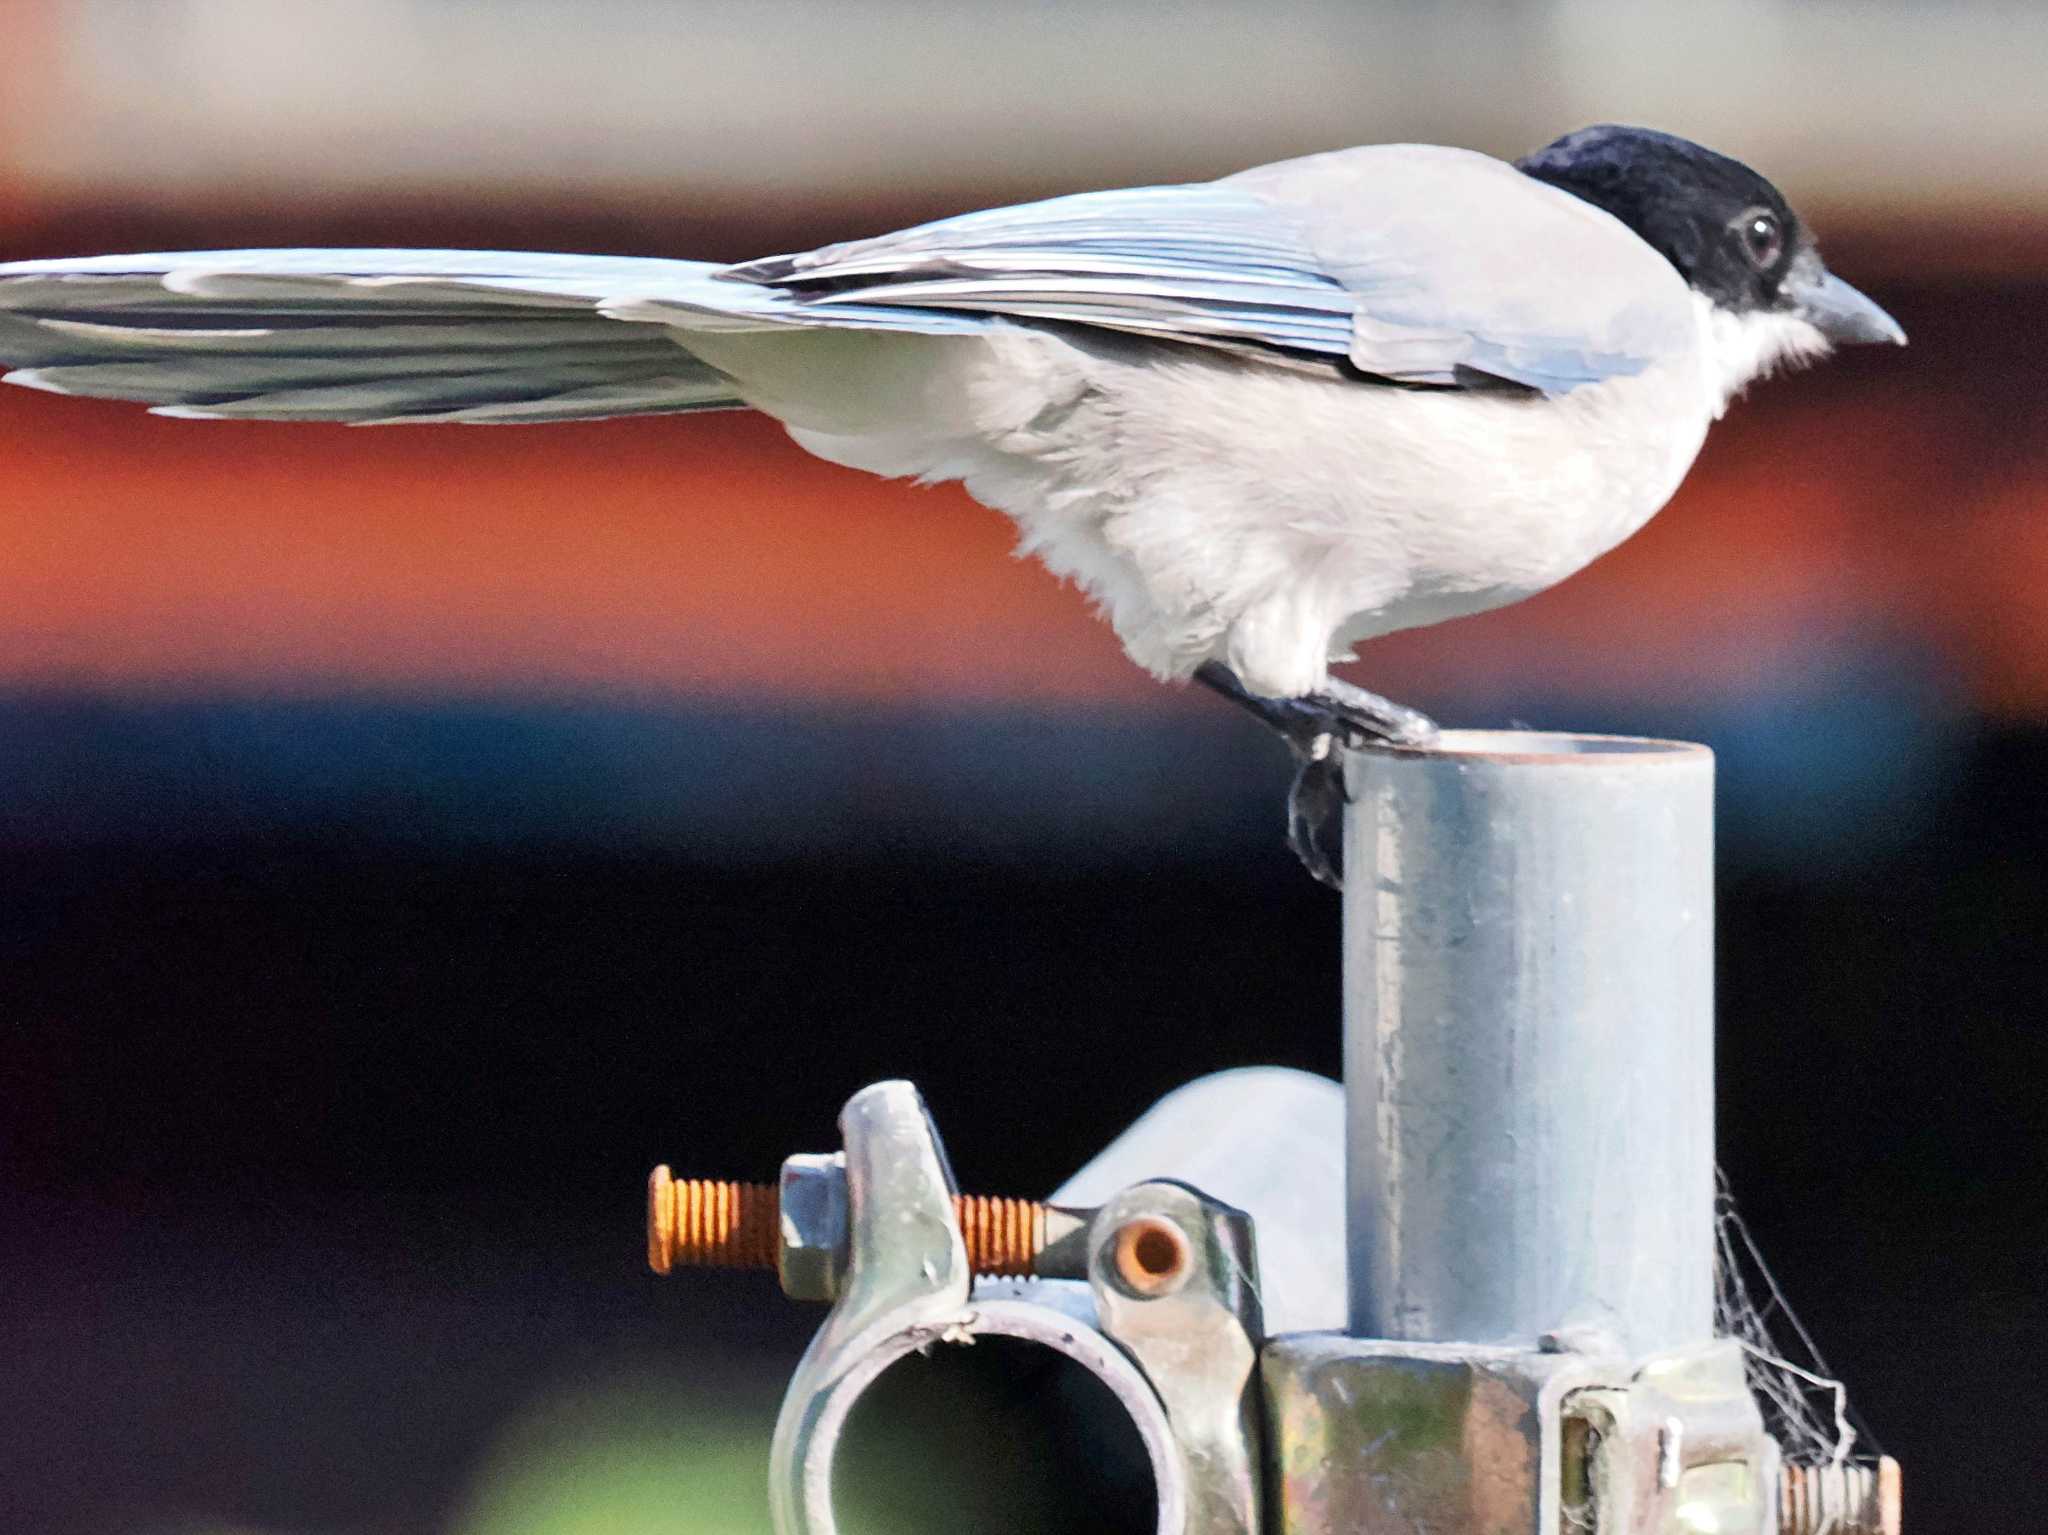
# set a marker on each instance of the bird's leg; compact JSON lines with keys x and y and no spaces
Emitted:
{"x":1317,"y":727}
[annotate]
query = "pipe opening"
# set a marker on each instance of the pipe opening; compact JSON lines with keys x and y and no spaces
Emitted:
{"x":1523,"y":746}
{"x":1151,"y":1256}
{"x":999,"y":1435}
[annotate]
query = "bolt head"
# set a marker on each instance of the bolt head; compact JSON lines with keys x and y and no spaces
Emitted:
{"x":661,"y":1219}
{"x":811,"y":1251}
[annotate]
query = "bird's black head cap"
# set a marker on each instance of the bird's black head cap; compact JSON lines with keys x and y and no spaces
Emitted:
{"x":1730,"y":233}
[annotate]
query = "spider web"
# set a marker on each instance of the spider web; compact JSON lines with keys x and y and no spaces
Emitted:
{"x":1805,"y":1405}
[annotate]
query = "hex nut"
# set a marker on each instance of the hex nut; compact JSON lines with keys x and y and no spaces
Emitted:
{"x":813,"y":1222}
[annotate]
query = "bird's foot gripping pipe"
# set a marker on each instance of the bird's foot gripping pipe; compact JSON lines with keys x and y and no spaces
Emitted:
{"x":1318,"y":728}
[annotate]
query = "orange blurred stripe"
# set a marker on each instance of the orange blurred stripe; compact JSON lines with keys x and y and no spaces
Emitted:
{"x":709,"y":554}
{"x":665,"y":554}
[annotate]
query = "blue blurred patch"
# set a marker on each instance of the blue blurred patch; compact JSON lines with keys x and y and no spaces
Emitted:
{"x":1851,"y":758}
{"x":1846,"y":754}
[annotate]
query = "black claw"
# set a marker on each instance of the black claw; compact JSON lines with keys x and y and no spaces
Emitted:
{"x":1315,"y":816}
{"x":1318,"y":728}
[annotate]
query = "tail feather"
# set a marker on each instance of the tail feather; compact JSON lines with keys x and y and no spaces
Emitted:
{"x":655,"y":397}
{"x":89,"y":341}
{"x":576,"y":392}
{"x":361,"y":336}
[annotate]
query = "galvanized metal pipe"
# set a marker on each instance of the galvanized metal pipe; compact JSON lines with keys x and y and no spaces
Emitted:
{"x":1528,"y":1013}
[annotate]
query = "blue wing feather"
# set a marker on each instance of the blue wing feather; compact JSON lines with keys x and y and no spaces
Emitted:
{"x":1419,"y":265}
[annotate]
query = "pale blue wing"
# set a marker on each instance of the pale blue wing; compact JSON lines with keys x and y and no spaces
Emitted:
{"x":1417,"y":265}
{"x":1517,"y":279}
{"x":1190,"y":263}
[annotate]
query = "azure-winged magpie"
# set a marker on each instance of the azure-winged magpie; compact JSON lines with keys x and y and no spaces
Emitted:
{"x":1257,"y":420}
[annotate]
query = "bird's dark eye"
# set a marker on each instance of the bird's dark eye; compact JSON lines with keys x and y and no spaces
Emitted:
{"x":1763,"y":238}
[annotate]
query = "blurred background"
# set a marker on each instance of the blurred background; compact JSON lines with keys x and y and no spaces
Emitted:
{"x":412,"y":835}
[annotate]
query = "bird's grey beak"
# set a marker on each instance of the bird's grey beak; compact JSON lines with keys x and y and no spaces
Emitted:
{"x":1838,"y":311}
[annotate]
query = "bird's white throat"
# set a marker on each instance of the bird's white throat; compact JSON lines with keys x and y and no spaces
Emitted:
{"x":1738,"y":349}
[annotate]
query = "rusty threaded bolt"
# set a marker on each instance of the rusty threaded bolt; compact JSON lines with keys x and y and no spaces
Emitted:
{"x":710,"y":1223}
{"x":1840,"y":1500}
{"x":1003,"y":1236}
{"x":705,"y":1223}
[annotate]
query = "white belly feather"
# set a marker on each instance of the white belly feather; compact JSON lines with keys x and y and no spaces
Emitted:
{"x":1260,"y":516}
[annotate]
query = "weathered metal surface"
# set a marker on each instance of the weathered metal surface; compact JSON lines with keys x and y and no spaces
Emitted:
{"x":1193,"y":1328}
{"x":1679,"y":1448}
{"x":1167,"y":1318}
{"x":907,"y":1281}
{"x":1373,"y":1438}
{"x":1528,"y":998}
{"x":1379,"y":1438}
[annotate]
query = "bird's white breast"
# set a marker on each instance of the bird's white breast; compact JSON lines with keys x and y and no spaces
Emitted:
{"x":1266,"y":517}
